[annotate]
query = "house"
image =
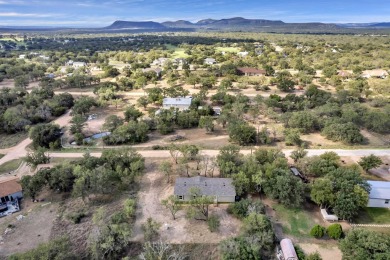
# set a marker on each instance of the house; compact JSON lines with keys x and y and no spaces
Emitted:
{"x":221,"y":189}
{"x":251,"y":71}
{"x":79,"y":64}
{"x":377,"y":73}
{"x":379,"y":196}
{"x":243,"y":54}
{"x":10,"y":189}
{"x":182,"y":103}
{"x":155,"y":70}
{"x":217,"y":110}
{"x":10,"y":193}
{"x":22,"y":56}
{"x":288,"y":250}
{"x":344,"y":74}
{"x":160,"y":61}
{"x":210,"y":61}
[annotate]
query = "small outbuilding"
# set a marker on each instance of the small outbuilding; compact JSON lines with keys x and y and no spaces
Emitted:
{"x":379,"y":196}
{"x":221,"y":189}
{"x":251,"y":71}
{"x":10,"y":190}
{"x":288,"y":250}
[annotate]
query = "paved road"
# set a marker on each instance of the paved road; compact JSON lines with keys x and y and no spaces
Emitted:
{"x":165,"y":154}
{"x":19,"y":150}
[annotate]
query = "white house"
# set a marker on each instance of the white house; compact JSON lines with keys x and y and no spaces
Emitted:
{"x":243,"y":54}
{"x":182,"y":103}
{"x":379,"y":196}
{"x":79,"y":64}
{"x":221,"y":189}
{"x":210,"y":61}
{"x":160,"y":61}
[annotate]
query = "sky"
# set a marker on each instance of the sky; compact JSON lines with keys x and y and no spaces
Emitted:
{"x":98,"y":13}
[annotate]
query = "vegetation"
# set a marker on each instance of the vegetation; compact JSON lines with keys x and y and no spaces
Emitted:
{"x":317,"y":231}
{"x":335,"y":231}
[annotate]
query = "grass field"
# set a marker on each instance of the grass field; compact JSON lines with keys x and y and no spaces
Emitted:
{"x":7,"y":141}
{"x":227,"y":49}
{"x":1,"y":156}
{"x":177,"y":52}
{"x":10,"y":166}
{"x":296,"y":222}
{"x":374,"y":216}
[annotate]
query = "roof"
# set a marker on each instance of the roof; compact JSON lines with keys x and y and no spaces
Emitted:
{"x":156,"y":70}
{"x":251,"y":70}
{"x":9,"y":186}
{"x":376,"y":73}
{"x":207,"y":186}
{"x":288,"y":249}
{"x":186,"y":101}
{"x":210,"y":60}
{"x":379,"y":190}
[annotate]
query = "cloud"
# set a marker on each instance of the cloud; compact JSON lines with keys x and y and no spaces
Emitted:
{"x":33,"y":15}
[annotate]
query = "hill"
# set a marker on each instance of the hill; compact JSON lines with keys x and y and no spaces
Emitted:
{"x":125,"y":25}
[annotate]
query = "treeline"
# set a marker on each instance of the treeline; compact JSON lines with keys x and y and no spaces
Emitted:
{"x":20,"y":109}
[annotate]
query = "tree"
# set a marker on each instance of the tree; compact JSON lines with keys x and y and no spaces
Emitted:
{"x":289,"y":190}
{"x":284,"y":82}
{"x":362,"y":244}
{"x":150,"y":229}
{"x":242,"y":133}
{"x":263,"y":137}
{"x":292,"y":137}
{"x":370,"y":162}
{"x":83,"y":105}
{"x":206,"y":122}
{"x":78,"y":123}
{"x":132,"y":114}
{"x":317,"y":231}
{"x":298,"y":154}
{"x":143,"y":102}
{"x":199,"y":205}
{"x":313,"y":256}
{"x":112,"y":122}
{"x":32,"y":185}
{"x":37,"y":157}
{"x":213,"y":223}
{"x":45,"y":135}
{"x":161,"y":251}
{"x":166,"y":168}
{"x":242,"y":183}
{"x":172,"y":203}
{"x":241,"y":209}
{"x":348,"y":133}
{"x":322,"y":192}
{"x":335,"y":231}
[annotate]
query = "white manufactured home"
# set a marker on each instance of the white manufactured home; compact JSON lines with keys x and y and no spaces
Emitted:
{"x":379,"y":196}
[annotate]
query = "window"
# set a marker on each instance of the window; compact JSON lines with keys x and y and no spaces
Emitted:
{"x":387,"y":201}
{"x":180,"y":197}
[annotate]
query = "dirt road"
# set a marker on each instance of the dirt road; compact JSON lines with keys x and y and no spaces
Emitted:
{"x":19,"y":150}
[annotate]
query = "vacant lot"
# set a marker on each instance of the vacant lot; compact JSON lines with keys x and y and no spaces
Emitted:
{"x":154,"y":188}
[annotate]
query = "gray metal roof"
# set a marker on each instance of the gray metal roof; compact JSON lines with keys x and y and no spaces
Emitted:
{"x":379,"y":190}
{"x":207,"y":186}
{"x":177,"y":101}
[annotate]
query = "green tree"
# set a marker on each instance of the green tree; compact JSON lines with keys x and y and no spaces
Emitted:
{"x":207,"y":122}
{"x":361,"y":244}
{"x":298,"y":154}
{"x":213,"y":223}
{"x":132,"y":114}
{"x":150,"y":229}
{"x":37,"y":157}
{"x":199,"y":205}
{"x":77,"y":124}
{"x":172,"y":203}
{"x":370,"y":162}
{"x":45,"y":135}
{"x":284,"y":81}
{"x":112,"y":122}
{"x":166,"y":168}
{"x":322,"y":192}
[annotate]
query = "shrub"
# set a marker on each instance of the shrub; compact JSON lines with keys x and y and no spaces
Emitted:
{"x":335,"y":231}
{"x":314,"y":256}
{"x":299,"y":251}
{"x":77,"y":216}
{"x":243,"y":208}
{"x":213,"y":223}
{"x":317,"y":231}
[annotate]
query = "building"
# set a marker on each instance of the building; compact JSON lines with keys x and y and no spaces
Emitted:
{"x":10,"y":189}
{"x":243,"y":54}
{"x":210,"y":61}
{"x":155,"y":70}
{"x":379,"y":196}
{"x":160,"y":61}
{"x":182,"y":103}
{"x":179,"y":61}
{"x":378,"y":73}
{"x":344,"y":74}
{"x":221,"y":189}
{"x":79,"y":64}
{"x":288,"y":250}
{"x":251,"y":72}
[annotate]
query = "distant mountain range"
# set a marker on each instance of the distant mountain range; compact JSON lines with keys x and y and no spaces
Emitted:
{"x":231,"y":24}
{"x":239,"y":23}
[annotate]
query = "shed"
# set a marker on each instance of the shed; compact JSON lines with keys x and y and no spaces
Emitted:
{"x":379,"y":196}
{"x":288,"y":249}
{"x":221,"y":189}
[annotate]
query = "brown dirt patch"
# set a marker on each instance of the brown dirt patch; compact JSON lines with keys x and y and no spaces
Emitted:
{"x":325,"y":250}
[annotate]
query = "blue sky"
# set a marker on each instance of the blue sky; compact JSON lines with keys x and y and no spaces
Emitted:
{"x":95,"y":13}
